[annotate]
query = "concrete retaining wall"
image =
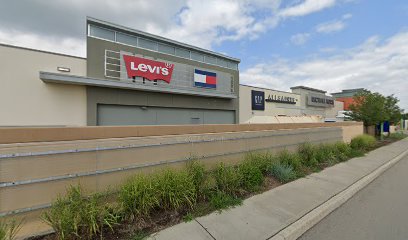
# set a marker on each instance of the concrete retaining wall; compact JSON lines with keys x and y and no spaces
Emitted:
{"x":33,"y":174}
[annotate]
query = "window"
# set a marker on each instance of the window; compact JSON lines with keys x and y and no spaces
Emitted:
{"x":211,"y":60}
{"x":197,"y":56}
{"x":167,"y":49}
{"x":233,"y":65}
{"x":232,"y":84}
{"x":126,"y":39}
{"x":102,"y":33}
{"x":144,"y":43}
{"x":222,"y":63}
{"x":182,"y":53}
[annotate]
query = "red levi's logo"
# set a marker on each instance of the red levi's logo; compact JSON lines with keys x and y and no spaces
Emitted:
{"x":149,"y":69}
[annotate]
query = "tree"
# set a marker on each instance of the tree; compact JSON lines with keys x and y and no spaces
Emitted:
{"x":374,"y":108}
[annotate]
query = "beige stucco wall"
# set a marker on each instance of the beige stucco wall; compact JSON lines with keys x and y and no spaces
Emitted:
{"x":351,"y":131}
{"x":272,"y":109}
{"x":331,"y":113}
{"x":25,"y":100}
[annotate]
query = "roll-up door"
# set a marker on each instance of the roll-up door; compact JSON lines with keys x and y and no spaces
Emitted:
{"x":141,"y":115}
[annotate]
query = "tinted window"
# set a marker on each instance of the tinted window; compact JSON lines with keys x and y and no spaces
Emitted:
{"x":126,"y":39}
{"x":197,"y":56}
{"x":102,"y":33}
{"x":233,"y":65}
{"x":166,"y":49}
{"x":182,"y":53}
{"x":222,"y":63}
{"x":211,"y":60}
{"x":144,"y":43}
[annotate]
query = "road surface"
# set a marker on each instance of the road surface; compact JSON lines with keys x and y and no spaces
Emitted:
{"x":379,"y":211}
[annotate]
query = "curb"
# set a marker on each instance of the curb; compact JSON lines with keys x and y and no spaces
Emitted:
{"x":300,"y":226}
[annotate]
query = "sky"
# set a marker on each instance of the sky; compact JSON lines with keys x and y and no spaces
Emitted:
{"x":326,"y":44}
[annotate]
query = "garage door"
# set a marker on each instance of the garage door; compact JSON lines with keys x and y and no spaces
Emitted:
{"x":137,"y":115}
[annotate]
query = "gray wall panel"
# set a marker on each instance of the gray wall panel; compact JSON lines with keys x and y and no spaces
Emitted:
{"x":141,"y":115}
{"x":96,"y":95}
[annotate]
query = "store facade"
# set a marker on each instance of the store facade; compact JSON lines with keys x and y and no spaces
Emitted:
{"x":129,"y":78}
{"x":303,"y":104}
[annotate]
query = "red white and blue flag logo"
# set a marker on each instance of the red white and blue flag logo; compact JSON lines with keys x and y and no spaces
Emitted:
{"x":205,"y":79}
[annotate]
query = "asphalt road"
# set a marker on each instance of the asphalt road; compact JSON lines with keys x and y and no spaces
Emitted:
{"x":379,"y":211}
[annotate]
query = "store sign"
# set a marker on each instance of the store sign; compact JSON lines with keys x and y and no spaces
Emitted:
{"x":258,"y":100}
{"x":320,"y":100}
{"x":149,"y":69}
{"x":281,"y":99}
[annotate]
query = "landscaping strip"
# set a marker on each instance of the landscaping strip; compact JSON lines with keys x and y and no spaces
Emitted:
{"x":148,"y":203}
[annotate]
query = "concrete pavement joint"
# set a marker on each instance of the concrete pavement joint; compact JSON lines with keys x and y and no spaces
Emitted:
{"x":205,"y":229}
{"x":307,"y":221}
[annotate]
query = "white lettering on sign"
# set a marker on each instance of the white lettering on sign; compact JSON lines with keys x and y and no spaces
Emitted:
{"x":148,"y":68}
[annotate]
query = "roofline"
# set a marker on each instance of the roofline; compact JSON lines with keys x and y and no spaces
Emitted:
{"x":41,"y":51}
{"x":349,"y":90}
{"x":117,"y":26}
{"x":270,"y":89}
{"x":309,"y":88}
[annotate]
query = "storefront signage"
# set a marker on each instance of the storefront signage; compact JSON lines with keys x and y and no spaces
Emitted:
{"x":205,"y":79}
{"x":149,"y":69}
{"x":258,"y":100}
{"x":281,"y":99}
{"x":320,"y":100}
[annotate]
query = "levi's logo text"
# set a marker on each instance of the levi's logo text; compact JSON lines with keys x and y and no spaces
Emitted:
{"x":149,"y":69}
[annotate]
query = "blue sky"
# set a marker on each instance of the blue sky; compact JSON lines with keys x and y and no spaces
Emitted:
{"x":326,"y":44}
{"x":367,"y":18}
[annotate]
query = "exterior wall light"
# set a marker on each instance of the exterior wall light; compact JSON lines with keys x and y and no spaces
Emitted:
{"x":63,"y":69}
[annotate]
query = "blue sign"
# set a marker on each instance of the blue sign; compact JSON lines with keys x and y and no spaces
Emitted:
{"x":258,"y":100}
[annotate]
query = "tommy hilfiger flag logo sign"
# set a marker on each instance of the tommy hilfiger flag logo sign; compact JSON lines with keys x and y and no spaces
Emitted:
{"x":205,"y":79}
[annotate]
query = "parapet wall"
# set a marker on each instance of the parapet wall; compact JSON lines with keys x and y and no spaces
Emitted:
{"x":32,"y":174}
{"x":50,"y":134}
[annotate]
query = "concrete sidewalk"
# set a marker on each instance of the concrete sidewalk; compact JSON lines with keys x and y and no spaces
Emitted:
{"x":292,"y":207}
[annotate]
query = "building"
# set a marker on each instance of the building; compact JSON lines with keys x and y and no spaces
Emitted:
{"x":303,"y":104}
{"x":346,"y":96}
{"x":129,"y":77}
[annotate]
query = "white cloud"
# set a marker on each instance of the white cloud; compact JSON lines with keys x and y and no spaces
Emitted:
{"x":330,"y":27}
{"x":376,"y":65}
{"x":201,"y":23}
{"x":300,"y":38}
{"x":333,"y":26}
{"x":72,"y":46}
{"x":307,"y":7}
{"x":347,"y":16}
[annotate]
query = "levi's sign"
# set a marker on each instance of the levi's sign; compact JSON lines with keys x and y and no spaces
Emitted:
{"x":149,"y":69}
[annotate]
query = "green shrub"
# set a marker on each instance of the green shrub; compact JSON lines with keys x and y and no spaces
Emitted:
{"x":220,"y":200}
{"x":9,"y":229}
{"x":78,"y":216}
{"x":283,"y":172}
{"x":290,"y":159}
{"x":262,"y":161}
{"x":326,"y":153}
{"x":356,"y":153}
{"x":251,"y":174}
{"x":307,"y":153}
{"x":198,"y":175}
{"x":363,"y":142}
{"x":343,"y":151}
{"x":227,"y":179}
{"x":176,"y":189}
{"x":398,"y":135}
{"x":139,"y":196}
